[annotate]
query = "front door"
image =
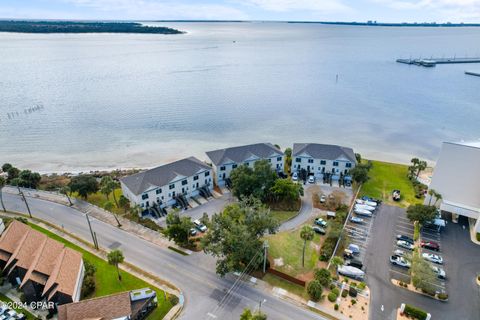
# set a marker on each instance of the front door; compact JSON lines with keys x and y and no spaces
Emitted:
{"x":183,"y":190}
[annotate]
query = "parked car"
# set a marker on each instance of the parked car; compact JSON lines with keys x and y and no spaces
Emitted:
{"x":354,"y":263}
{"x":367,"y":198}
{"x":193,"y":232}
{"x":432,"y":258}
{"x":356,"y":220}
{"x":364,"y":207}
{"x":404,"y":238}
{"x":347,"y":254}
{"x":311,"y":179}
{"x":320,"y":222}
{"x":366,"y":202}
{"x":351,"y":272}
{"x":295,"y":176}
{"x":354,"y":248}
{"x":439,"y":272}
{"x":396,"y":195}
{"x":430,"y":245}
{"x":348,"y":183}
{"x":319,"y":230}
{"x":323,"y":198}
{"x":399,"y":252}
{"x":200,"y":226}
{"x":400,"y":261}
{"x":363,"y":212}
{"x":405,"y":244}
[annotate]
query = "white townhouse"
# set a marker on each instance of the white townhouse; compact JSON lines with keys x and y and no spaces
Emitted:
{"x":225,"y":160}
{"x":318,"y":159}
{"x":162,"y":185}
{"x":456,"y":177}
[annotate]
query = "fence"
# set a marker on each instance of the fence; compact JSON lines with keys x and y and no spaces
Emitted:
{"x":286,"y":277}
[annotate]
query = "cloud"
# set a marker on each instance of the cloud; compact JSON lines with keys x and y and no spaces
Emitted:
{"x":300,"y":5}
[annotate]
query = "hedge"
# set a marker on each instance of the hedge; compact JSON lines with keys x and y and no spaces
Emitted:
{"x":414,"y":312}
{"x":332,"y":297}
{"x":336,"y":291}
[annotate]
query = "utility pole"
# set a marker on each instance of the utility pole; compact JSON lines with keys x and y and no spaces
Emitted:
{"x":265,"y":247}
{"x":20,"y":192}
{"x":91,"y":232}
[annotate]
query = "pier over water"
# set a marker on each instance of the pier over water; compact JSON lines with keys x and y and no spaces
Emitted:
{"x":432,"y":62}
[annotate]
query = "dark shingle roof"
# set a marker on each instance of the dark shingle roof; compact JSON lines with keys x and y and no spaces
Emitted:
{"x":324,"y":151}
{"x":101,"y":308}
{"x":161,"y":176}
{"x":242,"y":153}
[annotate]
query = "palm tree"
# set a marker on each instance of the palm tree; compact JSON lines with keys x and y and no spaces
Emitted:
{"x":438,"y":197}
{"x":106,"y":186}
{"x":422,"y":165}
{"x":109,"y":207}
{"x":337,"y":261}
{"x":124,"y":203}
{"x":2,"y":184}
{"x":116,"y":257}
{"x":66,"y":191}
{"x":114,"y":185}
{"x":306,"y":234}
{"x":431,"y":193}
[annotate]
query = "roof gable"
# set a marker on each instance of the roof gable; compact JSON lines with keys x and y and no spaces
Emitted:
{"x":243,"y":153}
{"x":324,"y":151}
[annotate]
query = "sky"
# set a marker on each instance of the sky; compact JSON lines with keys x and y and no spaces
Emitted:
{"x":277,"y":10}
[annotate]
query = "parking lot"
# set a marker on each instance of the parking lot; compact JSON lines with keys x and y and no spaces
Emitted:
{"x":403,"y":226}
{"x":360,"y":233}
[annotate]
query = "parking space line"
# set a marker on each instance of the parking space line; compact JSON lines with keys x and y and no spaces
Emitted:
{"x":400,"y":273}
{"x":404,"y":228}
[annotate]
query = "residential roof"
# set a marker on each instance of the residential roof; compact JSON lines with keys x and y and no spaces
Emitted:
{"x":45,"y":260}
{"x":105,"y":308}
{"x":324,"y":151}
{"x":242,"y":153}
{"x":163,"y":175}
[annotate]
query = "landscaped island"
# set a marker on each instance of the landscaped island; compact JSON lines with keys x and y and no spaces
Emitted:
{"x":81,"y":27}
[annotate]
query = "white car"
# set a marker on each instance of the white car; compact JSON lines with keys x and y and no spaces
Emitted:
{"x":365,"y":207}
{"x":200,"y":226}
{"x":351,"y":272}
{"x":439,"y":272}
{"x":362,"y":212}
{"x":321,"y":222}
{"x":311,"y":179}
{"x":323,"y":198}
{"x":432,"y":258}
{"x":356,"y":220}
{"x":368,"y":203}
{"x":405,"y":244}
{"x":295,"y":176}
{"x":399,"y":252}
{"x":400,"y":261}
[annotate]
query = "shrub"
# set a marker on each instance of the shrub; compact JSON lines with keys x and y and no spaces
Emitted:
{"x":362,"y":285}
{"x":353,"y":284}
{"x":344,"y":293}
{"x":353,"y":301}
{"x":23,"y":299}
{"x":415,"y":313}
{"x":336,"y":291}
{"x":429,"y":291}
{"x":442,"y":296}
{"x":315,"y":290}
{"x":88,"y":286}
{"x":22,"y":220}
{"x":173,"y":300}
{"x":335,"y":307}
{"x":90,"y":268}
{"x":400,"y":283}
{"x":352,"y":292}
{"x":323,"y":276}
{"x":332,"y":297}
{"x":332,"y":285}
{"x":478,"y":236}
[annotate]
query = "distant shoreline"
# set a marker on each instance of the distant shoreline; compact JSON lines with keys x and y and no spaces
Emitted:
{"x":81,"y":27}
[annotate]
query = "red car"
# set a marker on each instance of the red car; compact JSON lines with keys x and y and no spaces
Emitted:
{"x":430,"y":245}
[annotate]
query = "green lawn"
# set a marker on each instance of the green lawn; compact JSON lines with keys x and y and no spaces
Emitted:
{"x":99,"y":199}
{"x":289,"y":246}
{"x":107,"y":280}
{"x":284,"y":284}
{"x":283,"y":216}
{"x":384,"y":178}
{"x":29,"y":316}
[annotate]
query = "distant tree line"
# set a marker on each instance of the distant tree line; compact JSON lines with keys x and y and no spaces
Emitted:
{"x":81,"y":27}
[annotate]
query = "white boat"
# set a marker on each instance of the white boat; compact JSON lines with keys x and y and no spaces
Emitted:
{"x":364,"y":207}
{"x":368,"y":203}
{"x":351,"y":272}
{"x":362,"y":212}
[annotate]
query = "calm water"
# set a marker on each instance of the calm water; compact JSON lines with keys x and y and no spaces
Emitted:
{"x":140,"y":100}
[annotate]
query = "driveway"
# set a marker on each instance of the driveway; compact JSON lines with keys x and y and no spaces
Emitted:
{"x":194,"y":275}
{"x":462,"y":258}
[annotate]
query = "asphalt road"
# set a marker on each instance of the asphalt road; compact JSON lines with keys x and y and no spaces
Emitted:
{"x":194,"y":275}
{"x":462,"y":262}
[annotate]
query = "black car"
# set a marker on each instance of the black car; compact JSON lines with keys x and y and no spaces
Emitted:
{"x":404,"y":238}
{"x":354,"y":263}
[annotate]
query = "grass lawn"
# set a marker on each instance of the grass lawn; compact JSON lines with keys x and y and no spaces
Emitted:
{"x":284,"y":284}
{"x":283,"y":216}
{"x":289,"y":246}
{"x":29,"y":316}
{"x":384,"y":178}
{"x":107,"y":280}
{"x":99,"y":199}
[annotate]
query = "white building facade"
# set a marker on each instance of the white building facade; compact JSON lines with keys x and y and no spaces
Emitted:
{"x":456,"y":178}
{"x":161,"y":185}
{"x":318,"y":159}
{"x":225,"y":160}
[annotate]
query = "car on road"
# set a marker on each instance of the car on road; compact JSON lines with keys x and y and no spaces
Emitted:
{"x":400,"y":261}
{"x":404,"y":238}
{"x":200,"y":226}
{"x":362,"y":212}
{"x":432,"y":258}
{"x":405,"y":244}
{"x":351,"y":272}
{"x":319,"y":230}
{"x":320,"y":222}
{"x":323,"y":198}
{"x":311,"y":179}
{"x":439,"y":272}
{"x":295,"y":176}
{"x":356,"y":220}
{"x":430,"y":245}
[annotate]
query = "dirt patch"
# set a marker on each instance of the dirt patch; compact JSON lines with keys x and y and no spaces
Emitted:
{"x":278,"y":262}
{"x":307,"y":277}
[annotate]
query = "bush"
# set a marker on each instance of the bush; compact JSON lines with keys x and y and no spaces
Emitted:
{"x":323,"y":276}
{"x":442,"y":296}
{"x":335,"y":307}
{"x":336,"y":291}
{"x":415,"y":313}
{"x":23,"y":299}
{"x":173,"y":300}
{"x":353,"y":284}
{"x":332,"y":297}
{"x":332,"y":285}
{"x":353,"y":301}
{"x":430,"y":291}
{"x":344,"y":293}
{"x":478,"y":236}
{"x":400,"y":283}
{"x":362,"y":285}
{"x":88,"y":286}
{"x":352,"y":292}
{"x":315,"y":290}
{"x":90,"y":269}
{"x":22,"y":220}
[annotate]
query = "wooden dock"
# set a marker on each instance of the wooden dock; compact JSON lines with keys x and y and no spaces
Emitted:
{"x":471,"y":73}
{"x":431,"y":62}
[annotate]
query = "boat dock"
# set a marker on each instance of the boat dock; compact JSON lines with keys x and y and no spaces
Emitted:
{"x":471,"y":73}
{"x":432,"y":62}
